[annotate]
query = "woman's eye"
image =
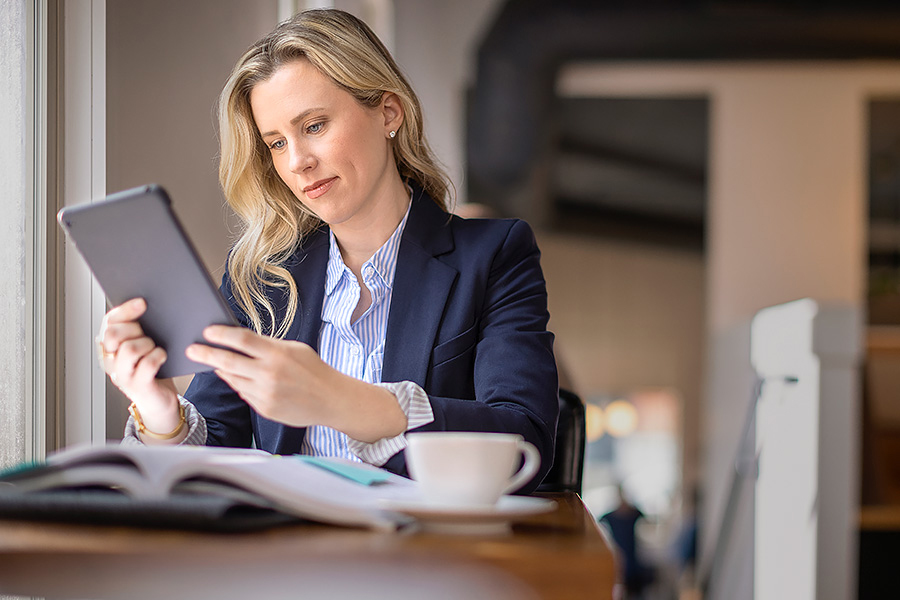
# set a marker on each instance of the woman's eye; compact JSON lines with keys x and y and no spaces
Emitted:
{"x":315,"y":127}
{"x":276,"y":145}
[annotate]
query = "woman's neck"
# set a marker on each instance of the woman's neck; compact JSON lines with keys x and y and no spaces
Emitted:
{"x":361,"y":239}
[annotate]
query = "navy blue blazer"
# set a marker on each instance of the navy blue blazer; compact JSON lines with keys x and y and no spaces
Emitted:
{"x":467,"y":322}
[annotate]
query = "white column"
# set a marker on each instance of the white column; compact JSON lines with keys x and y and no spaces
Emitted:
{"x":806,"y":498}
{"x":84,"y":180}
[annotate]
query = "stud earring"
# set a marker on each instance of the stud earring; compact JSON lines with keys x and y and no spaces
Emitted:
{"x":393,"y":134}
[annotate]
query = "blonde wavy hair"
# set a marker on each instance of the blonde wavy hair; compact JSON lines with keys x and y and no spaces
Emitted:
{"x":274,"y":221}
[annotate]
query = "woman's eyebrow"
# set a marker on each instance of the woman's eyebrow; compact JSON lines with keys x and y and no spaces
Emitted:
{"x":295,"y":120}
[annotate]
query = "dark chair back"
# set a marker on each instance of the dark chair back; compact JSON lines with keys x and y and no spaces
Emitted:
{"x":568,"y":458}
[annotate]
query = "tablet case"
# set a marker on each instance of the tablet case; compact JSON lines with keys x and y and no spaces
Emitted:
{"x":107,"y":507}
{"x":136,"y":247}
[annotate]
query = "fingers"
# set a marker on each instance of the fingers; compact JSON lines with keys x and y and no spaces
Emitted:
{"x":130,"y":352}
{"x":146,"y":368}
{"x":119,"y":325}
{"x":221,"y":359}
{"x":118,"y":333}
{"x":240,"y":339}
{"x":136,"y":363}
{"x":127,"y":311}
{"x":242,"y":385}
{"x":248,"y":345}
{"x":267,"y":398}
{"x":131,"y":359}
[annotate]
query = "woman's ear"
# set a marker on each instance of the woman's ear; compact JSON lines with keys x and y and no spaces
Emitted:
{"x":392,"y":109}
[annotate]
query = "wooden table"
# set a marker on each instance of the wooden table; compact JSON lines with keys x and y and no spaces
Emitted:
{"x":561,"y":554}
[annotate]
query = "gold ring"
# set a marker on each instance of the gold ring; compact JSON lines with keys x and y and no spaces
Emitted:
{"x":102,"y":353}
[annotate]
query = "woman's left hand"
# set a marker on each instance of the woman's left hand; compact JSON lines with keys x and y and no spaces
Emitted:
{"x":286,"y":381}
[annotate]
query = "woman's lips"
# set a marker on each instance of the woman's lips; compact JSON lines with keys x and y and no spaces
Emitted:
{"x":318,"y":188}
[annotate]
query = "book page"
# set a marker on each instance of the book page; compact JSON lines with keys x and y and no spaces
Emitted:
{"x":323,"y":489}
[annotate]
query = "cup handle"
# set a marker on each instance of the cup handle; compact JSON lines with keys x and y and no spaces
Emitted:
{"x":528,"y":470}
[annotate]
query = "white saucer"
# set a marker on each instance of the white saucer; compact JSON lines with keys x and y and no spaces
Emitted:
{"x":442,"y":518}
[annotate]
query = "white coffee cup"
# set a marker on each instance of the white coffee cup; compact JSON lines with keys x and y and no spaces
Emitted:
{"x":462,"y":468}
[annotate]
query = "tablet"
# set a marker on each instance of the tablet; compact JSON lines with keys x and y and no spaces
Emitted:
{"x":135,"y":246}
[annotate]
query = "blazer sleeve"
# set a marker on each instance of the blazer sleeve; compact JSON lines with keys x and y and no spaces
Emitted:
{"x":515,"y":377}
{"x":227,"y":416}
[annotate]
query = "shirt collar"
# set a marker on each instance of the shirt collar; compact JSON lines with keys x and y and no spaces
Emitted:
{"x":384,"y":261}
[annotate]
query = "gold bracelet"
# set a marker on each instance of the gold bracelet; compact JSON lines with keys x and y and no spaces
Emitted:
{"x":142,"y":429}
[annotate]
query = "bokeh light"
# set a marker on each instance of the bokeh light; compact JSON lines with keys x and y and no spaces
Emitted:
{"x":621,"y":418}
{"x":595,"y":422}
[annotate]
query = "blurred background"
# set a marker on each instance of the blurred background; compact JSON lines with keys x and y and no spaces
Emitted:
{"x":685,"y":165}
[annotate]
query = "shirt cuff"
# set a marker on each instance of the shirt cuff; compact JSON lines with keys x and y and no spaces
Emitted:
{"x":415,"y":405}
{"x":196,"y":427}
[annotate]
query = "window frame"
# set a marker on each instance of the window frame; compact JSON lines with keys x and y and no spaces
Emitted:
{"x":82,"y":174}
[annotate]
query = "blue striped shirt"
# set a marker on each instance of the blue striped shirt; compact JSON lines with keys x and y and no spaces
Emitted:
{"x":357,"y":348}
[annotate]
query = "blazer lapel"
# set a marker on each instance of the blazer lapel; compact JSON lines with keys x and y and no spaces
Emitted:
{"x":422,"y":285}
{"x":309,"y":274}
{"x":308,"y":269}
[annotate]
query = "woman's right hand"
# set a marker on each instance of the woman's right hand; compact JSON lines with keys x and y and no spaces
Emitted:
{"x":132,"y":360}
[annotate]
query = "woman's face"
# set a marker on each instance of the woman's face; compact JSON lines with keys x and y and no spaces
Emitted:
{"x":330,"y":150}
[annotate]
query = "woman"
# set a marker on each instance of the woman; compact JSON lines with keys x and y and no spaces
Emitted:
{"x":368,"y":310}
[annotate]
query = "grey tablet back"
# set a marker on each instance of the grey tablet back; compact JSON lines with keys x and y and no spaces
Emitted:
{"x":135,"y":246}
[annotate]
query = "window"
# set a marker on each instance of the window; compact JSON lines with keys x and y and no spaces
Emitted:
{"x":14,"y":57}
{"x":23,"y":255}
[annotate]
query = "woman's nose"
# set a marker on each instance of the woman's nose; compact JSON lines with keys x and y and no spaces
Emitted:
{"x":301,"y":158}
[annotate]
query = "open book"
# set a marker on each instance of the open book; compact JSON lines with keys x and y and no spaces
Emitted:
{"x":185,"y":483}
